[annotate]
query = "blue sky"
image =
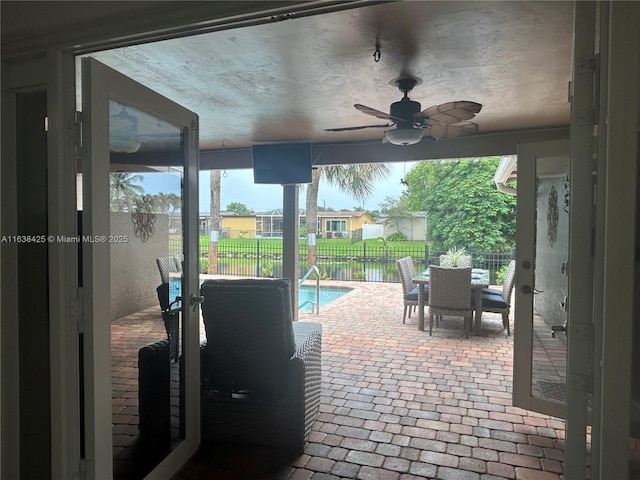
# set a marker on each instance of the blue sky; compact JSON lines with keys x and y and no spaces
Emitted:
{"x":238,"y":186}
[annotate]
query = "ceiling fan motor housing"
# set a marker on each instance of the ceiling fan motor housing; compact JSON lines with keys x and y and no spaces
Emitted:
{"x":405,"y":109}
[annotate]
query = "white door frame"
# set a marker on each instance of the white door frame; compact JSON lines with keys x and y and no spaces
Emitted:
{"x":618,"y":125}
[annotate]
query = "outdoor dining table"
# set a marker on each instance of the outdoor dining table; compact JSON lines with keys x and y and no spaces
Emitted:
{"x":479,"y":280}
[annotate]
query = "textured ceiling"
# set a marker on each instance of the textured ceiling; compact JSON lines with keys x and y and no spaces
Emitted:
{"x":289,"y":80}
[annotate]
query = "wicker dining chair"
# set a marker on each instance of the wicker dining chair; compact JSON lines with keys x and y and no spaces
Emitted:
{"x":171,"y":319}
{"x":499,"y":301}
{"x":450,"y":294}
{"x":167,"y":266}
{"x":406,"y":270}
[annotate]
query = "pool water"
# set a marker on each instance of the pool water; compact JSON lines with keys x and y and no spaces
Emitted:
{"x":307,"y":294}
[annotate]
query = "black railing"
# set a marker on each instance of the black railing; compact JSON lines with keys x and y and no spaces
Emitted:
{"x":371,"y":261}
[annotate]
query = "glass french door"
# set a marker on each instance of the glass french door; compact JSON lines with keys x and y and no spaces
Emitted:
{"x":551,"y":335}
{"x":139,"y":167}
{"x":541,"y":296}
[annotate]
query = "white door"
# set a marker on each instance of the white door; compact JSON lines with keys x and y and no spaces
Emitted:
{"x":554,"y":334}
{"x":541,"y":294}
{"x":135,"y":143}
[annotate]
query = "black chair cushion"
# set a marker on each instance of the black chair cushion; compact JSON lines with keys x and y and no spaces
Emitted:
{"x":489,"y":300}
{"x":491,"y":291}
{"x":413,"y":294}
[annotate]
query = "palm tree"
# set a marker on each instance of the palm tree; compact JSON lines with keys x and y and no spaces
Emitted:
{"x":174,"y":202}
{"x":124,"y":190}
{"x":214,"y":186}
{"x":356,"y":179}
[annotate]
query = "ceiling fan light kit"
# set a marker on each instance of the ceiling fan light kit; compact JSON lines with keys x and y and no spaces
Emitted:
{"x":405,"y":136}
{"x":123,"y":130}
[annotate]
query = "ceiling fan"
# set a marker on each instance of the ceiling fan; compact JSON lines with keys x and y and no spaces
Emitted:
{"x":438,"y":121}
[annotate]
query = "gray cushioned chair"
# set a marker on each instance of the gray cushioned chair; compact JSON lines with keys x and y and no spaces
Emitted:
{"x":406,"y":270}
{"x":450,"y":294}
{"x":499,"y":301}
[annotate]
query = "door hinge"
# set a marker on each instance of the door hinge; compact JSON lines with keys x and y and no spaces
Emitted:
{"x":76,"y":311}
{"x":582,"y":382}
{"x":583,"y":332}
{"x":85,"y":467}
{"x":194,"y":129}
{"x":589,"y":65}
{"x":75,"y":132}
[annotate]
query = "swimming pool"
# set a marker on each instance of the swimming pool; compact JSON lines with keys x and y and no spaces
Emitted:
{"x":307,"y":294}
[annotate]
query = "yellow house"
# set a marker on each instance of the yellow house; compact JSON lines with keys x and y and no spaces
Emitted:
{"x":269,"y":224}
{"x":238,"y":226}
{"x":342,"y":224}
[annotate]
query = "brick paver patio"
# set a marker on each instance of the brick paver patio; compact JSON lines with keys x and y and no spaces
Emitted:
{"x":397,"y":404}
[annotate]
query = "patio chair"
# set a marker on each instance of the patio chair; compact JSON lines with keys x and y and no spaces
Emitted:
{"x":260,"y":370}
{"x":450,"y":294}
{"x":406,"y":269}
{"x":171,"y":319}
{"x":166,"y":266}
{"x":499,"y":301}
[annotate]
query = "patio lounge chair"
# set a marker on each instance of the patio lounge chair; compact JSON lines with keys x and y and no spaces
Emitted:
{"x":260,"y":370}
{"x":450,"y":294}
{"x":499,"y":301}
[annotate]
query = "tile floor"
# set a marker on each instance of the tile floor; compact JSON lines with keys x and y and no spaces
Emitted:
{"x":397,"y":404}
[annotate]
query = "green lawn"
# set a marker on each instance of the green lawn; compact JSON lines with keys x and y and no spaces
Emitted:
{"x":340,"y":245}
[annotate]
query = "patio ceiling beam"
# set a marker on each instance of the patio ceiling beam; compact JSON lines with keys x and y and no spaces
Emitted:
{"x":479,"y":145}
{"x":490,"y":144}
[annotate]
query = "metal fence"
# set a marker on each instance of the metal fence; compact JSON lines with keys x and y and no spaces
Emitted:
{"x":371,"y":261}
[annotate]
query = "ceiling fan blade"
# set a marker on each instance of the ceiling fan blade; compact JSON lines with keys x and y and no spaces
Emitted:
{"x":361,"y":127}
{"x":450,"y":131}
{"x":373,"y":111}
{"x":448,"y":113}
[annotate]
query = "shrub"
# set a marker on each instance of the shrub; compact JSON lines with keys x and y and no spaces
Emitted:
{"x":501,"y":274}
{"x":360,"y":276}
{"x":267,"y":269}
{"x":396,"y":237}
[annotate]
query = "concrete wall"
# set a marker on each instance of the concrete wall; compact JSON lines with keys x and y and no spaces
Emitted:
{"x":550,"y":282}
{"x":134,"y":273}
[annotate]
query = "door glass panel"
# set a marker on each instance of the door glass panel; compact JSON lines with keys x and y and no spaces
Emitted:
{"x":549,"y":348}
{"x":146,"y":224}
